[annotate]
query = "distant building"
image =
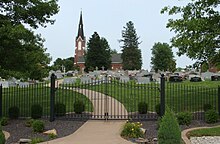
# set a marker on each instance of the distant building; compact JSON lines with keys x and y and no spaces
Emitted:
{"x":80,"y":49}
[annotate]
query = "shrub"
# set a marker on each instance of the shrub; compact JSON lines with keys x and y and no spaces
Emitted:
{"x":60,"y":109}
{"x":158,"y":122}
{"x":36,"y":111}
{"x":29,"y":122}
{"x":4,"y":121}
{"x":38,"y":126}
{"x":13,"y":112}
{"x":79,"y":107}
{"x":157,"y":109}
{"x":2,"y":136}
{"x":132,"y":130}
{"x":142,"y":107}
{"x":169,"y":131}
{"x":207,"y":107}
{"x":52,"y":136}
{"x":211,"y":116}
{"x":184,"y":118}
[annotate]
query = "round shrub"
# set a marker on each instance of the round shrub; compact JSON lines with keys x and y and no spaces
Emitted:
{"x":142,"y":107}
{"x":132,"y":130}
{"x":38,"y":126}
{"x":60,"y":109}
{"x":157,"y":109}
{"x":79,"y":107}
{"x":184,"y":118}
{"x":169,"y":131}
{"x":2,"y":136}
{"x":4,"y":121}
{"x":36,"y":111}
{"x":207,"y":107}
{"x":211,"y":116}
{"x":13,"y":112}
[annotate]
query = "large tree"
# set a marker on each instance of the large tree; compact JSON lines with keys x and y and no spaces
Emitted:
{"x":60,"y":64}
{"x":22,"y":52}
{"x":131,"y":54}
{"x":162,"y":57}
{"x":98,"y":53}
{"x":197,"y":29}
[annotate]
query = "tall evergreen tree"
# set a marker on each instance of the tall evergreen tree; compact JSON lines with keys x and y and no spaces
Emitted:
{"x":98,"y":53}
{"x":131,"y":54}
{"x":162,"y":57}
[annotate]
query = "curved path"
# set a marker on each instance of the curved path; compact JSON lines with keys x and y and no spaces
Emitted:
{"x":98,"y":131}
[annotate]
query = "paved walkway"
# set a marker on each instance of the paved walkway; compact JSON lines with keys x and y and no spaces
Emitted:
{"x":98,"y":131}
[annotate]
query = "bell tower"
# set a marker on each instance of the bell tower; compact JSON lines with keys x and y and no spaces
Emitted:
{"x":80,"y":42}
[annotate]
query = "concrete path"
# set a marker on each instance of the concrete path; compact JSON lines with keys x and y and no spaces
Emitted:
{"x":95,"y":132}
{"x":98,"y":131}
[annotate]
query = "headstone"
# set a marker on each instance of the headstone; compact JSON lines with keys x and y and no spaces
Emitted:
{"x":143,"y":80}
{"x":69,"y":80}
{"x":207,"y":75}
{"x":4,"y":84}
{"x":124,"y":79}
{"x":23,"y":84}
{"x":85,"y":80}
{"x":195,"y":79}
{"x":175,"y":78}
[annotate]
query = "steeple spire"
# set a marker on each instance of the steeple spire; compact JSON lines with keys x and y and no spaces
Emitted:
{"x":80,"y":29}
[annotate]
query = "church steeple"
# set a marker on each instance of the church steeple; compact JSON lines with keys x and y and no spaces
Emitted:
{"x":80,"y":29}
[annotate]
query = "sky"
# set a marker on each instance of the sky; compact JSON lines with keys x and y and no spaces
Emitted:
{"x":108,"y":17}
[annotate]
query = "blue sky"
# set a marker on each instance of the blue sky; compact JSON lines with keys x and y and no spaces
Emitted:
{"x":107,"y":17}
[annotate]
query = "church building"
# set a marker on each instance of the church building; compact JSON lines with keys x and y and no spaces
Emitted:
{"x":80,"y":50}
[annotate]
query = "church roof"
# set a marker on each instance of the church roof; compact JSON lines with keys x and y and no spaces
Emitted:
{"x":80,"y":28}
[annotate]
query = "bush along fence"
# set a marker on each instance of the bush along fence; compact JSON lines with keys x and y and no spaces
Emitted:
{"x":106,"y":98}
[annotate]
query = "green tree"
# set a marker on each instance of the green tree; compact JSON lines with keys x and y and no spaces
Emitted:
{"x":114,"y":51}
{"x":131,"y":54}
{"x":59,"y":63}
{"x":197,"y":29}
{"x":162,"y":57}
{"x":22,"y":52}
{"x":98,"y":53}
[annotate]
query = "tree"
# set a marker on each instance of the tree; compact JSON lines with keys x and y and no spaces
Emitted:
{"x":98,"y":53}
{"x":22,"y":52}
{"x":197,"y":30}
{"x":131,"y":54}
{"x":59,"y":63}
{"x":114,"y":51}
{"x":162,"y":57}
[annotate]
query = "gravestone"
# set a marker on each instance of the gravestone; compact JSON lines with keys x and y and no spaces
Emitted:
{"x":69,"y":80}
{"x":215,"y":78}
{"x":175,"y":78}
{"x":207,"y":75}
{"x":195,"y":79}
{"x":143,"y":80}
{"x":85,"y":80}
{"x":4,"y":84}
{"x":124,"y":79}
{"x":23,"y":84}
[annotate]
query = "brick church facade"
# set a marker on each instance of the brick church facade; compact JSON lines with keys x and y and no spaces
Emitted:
{"x":80,"y":49}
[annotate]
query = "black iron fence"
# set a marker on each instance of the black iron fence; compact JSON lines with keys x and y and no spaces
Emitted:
{"x":108,"y":99}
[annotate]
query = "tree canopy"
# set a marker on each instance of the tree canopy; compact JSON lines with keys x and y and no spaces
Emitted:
{"x":197,"y":30}
{"x":22,"y":52}
{"x":98,"y":53}
{"x":131,"y":54}
{"x":162,"y":57}
{"x":60,"y":64}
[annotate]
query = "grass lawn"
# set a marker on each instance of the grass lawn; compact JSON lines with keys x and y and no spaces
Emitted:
{"x":24,"y":98}
{"x":185,"y":96}
{"x":204,"y":132}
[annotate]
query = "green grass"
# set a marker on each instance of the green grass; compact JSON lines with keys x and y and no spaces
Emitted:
{"x":24,"y":98}
{"x":204,"y":132}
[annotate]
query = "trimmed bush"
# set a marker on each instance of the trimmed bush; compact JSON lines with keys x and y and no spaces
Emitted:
{"x":38,"y":126}
{"x":2,"y":136}
{"x":169,"y":131}
{"x":13,"y":112}
{"x":60,"y":109}
{"x":157,"y":109}
{"x":184,"y":118}
{"x":207,"y":107}
{"x":29,"y":122}
{"x":142,"y":107}
{"x":132,"y":130}
{"x":79,"y":107}
{"x":211,"y":116}
{"x":36,"y":111}
{"x":4,"y":121}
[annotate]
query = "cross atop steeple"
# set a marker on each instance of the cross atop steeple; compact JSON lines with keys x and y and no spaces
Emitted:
{"x":80,"y":29}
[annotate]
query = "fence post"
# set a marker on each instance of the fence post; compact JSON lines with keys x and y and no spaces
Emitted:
{"x":218,"y":100}
{"x":52,"y":97}
{"x":162,"y":95}
{"x":0,"y":101}
{"x":106,"y":99}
